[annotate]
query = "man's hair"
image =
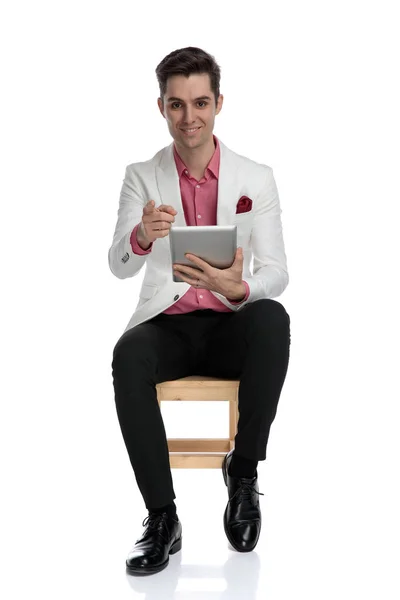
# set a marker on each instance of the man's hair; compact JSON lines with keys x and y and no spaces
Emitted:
{"x":186,"y":61}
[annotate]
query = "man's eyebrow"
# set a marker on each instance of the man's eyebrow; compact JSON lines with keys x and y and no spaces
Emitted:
{"x":173,"y":98}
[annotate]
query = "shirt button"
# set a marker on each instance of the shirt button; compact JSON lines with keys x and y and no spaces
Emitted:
{"x":197,"y":186}
{"x":199,"y":216}
{"x":186,"y":171}
{"x":201,"y":296}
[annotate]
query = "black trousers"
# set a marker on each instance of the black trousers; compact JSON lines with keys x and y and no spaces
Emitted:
{"x":251,"y":345}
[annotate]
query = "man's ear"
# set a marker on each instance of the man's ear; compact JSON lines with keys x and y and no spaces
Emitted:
{"x":219,"y":104}
{"x":160,"y":106}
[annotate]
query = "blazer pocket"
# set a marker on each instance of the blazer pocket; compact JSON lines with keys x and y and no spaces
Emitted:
{"x":244,"y":225}
{"x":148,"y":290}
{"x":243,"y":217}
{"x":243,"y":222}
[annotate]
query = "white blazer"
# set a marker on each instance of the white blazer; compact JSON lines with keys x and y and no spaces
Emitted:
{"x":259,"y":231}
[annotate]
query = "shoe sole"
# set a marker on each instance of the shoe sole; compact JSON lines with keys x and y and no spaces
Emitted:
{"x":232,"y":541}
{"x":176,"y":546}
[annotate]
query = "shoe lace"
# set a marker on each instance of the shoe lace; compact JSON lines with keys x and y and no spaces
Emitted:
{"x":153,"y":521}
{"x":246,"y":490}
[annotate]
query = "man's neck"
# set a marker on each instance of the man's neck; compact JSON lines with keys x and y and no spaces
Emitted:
{"x":197,"y":159}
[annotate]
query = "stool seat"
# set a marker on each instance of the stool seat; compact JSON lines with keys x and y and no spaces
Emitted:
{"x":201,"y":453}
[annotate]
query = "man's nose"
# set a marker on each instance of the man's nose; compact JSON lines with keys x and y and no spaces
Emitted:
{"x":190,"y":116}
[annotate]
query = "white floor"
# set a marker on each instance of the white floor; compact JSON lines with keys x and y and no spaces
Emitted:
{"x":72,"y":527}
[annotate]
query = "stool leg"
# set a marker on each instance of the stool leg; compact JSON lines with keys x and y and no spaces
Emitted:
{"x":233,"y":419}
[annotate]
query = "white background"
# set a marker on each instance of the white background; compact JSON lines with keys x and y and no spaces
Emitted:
{"x":311,"y":89}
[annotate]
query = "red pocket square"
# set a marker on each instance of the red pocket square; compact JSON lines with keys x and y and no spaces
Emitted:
{"x":244,"y":205}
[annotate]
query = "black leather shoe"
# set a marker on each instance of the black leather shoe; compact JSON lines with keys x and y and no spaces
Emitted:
{"x":242,"y":517}
{"x":162,"y":537}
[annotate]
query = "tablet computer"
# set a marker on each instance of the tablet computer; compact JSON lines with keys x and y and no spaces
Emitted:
{"x":216,"y":244}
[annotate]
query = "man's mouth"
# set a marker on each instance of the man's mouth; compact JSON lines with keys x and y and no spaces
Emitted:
{"x":190,"y":131}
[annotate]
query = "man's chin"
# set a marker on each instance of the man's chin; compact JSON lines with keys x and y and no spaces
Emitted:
{"x":196,"y":140}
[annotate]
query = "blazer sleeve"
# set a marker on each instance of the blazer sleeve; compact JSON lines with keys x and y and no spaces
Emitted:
{"x":270,"y":272}
{"x":123,"y":262}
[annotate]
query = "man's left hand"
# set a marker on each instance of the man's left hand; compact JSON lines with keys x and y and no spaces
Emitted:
{"x":227,"y":282}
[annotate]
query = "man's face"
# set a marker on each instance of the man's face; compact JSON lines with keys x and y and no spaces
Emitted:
{"x":184,"y":108}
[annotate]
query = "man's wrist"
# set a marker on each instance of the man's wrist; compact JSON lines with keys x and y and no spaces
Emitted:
{"x":142,"y":239}
{"x":239,"y":294}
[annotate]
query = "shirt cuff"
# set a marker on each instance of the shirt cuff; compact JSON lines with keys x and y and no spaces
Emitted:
{"x":135,"y":244}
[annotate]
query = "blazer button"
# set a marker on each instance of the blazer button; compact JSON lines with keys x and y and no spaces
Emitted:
{"x":176,"y":297}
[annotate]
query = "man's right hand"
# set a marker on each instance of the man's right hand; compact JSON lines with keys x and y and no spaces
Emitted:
{"x":156,"y":222}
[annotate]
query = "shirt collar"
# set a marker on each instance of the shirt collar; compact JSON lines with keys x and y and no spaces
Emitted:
{"x":212,"y":166}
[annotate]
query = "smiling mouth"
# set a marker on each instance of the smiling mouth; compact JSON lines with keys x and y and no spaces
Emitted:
{"x":190,"y":131}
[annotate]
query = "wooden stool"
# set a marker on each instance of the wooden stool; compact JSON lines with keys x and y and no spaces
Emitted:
{"x":201,"y":453}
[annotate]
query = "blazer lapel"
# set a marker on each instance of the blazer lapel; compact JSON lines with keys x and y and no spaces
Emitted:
{"x":228,"y":186}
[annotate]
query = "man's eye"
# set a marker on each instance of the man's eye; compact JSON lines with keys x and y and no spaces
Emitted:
{"x":200,"y":102}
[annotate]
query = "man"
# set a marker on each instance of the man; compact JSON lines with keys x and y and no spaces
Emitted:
{"x":217,"y":322}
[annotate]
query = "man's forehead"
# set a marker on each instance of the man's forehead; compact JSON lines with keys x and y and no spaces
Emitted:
{"x":200,"y":84}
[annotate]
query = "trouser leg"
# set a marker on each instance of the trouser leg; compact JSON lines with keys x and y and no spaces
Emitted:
{"x":161,"y":349}
{"x":252,"y":345}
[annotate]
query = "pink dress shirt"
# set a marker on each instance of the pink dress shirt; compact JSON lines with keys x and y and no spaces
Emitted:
{"x":199,"y":201}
